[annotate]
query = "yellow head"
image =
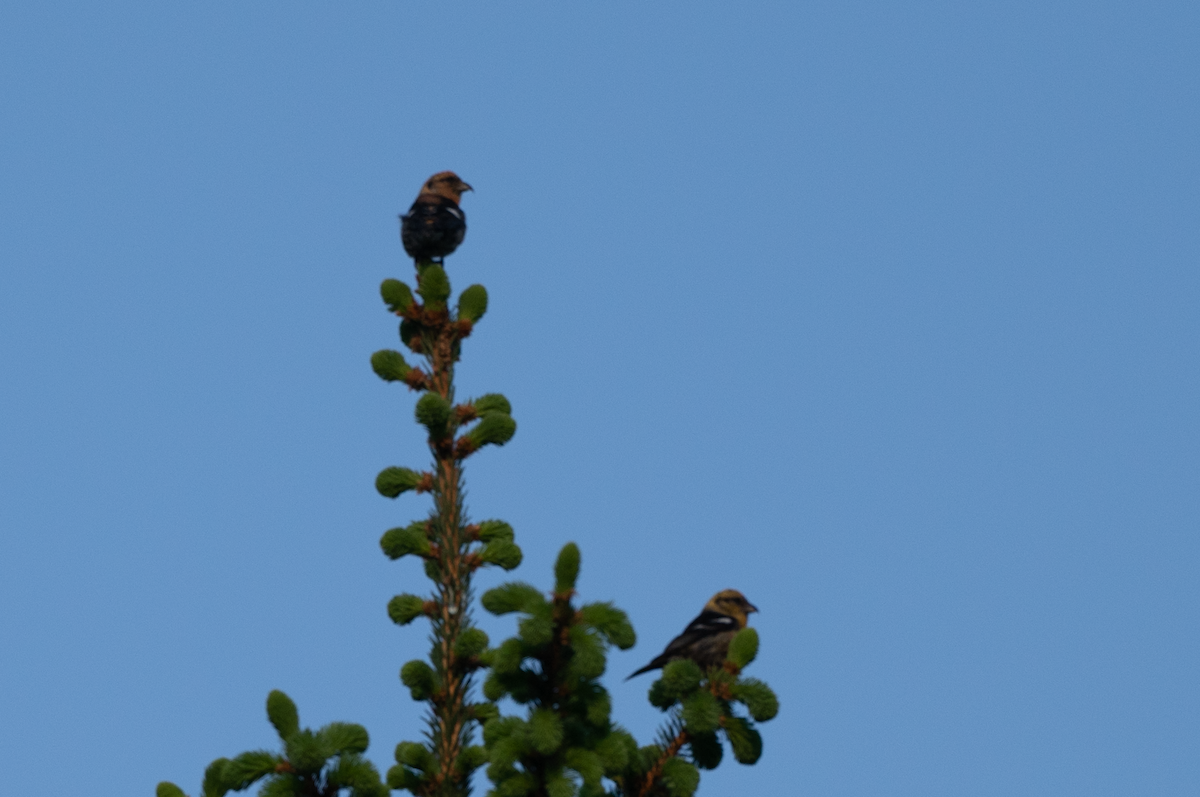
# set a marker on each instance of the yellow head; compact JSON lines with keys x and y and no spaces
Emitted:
{"x":732,"y":603}
{"x":446,"y":184}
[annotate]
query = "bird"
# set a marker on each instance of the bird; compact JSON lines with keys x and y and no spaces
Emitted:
{"x":706,"y":639}
{"x":435,"y":225}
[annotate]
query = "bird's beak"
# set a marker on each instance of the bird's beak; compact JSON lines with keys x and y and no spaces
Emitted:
{"x":464,"y":187}
{"x":750,"y":607}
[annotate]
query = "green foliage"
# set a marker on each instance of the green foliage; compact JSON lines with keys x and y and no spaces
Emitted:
{"x":390,"y":365}
{"x":281,"y":787}
{"x":706,"y":749}
{"x":566,"y":568}
{"x":587,"y":659}
{"x":246,"y":768}
{"x":537,"y":629}
{"x":305,"y":752}
{"x":391,"y":482}
{"x":475,"y":756}
{"x":494,"y":428}
{"x":545,"y":731}
{"x":471,"y":642}
{"x":514,"y":596}
{"x":420,"y":679}
{"x":587,"y":763}
{"x":565,"y":743}
{"x":414,"y":762}
{"x":325,"y":760}
{"x":680,"y":777}
{"x":410,"y":539}
{"x":282,"y":713}
{"x":434,"y":287}
{"x":409,"y":331}
{"x":744,"y":647}
{"x":355,"y":773}
{"x":701,"y":712}
{"x":214,"y":779}
{"x":681,"y":677}
{"x":343,"y":737}
{"x":396,"y":295}
{"x":491,"y":402}
{"x":399,"y":777}
{"x":617,"y":750}
{"x":611,"y":622}
{"x":472,"y":303}
{"x":758,"y":698}
{"x":506,"y":659}
{"x":403,"y":609}
{"x":744,"y":739}
{"x":501,"y":553}
{"x":559,"y":785}
{"x":434,"y":413}
{"x":412,"y":754}
{"x":495,"y":530}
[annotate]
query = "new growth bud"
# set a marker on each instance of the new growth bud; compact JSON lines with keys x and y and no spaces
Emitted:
{"x":491,"y":402}
{"x":282,"y":713}
{"x":396,"y":295}
{"x":471,"y":642}
{"x":433,"y":412}
{"x":391,"y":482}
{"x":495,"y":530}
{"x":495,"y":428}
{"x":502,"y":553}
{"x":434,"y":287}
{"x":402,"y":541}
{"x":472,"y":303}
{"x":420,"y":679}
{"x":390,"y":365}
{"x":743,"y":648}
{"x":566,"y":569}
{"x":403,"y":609}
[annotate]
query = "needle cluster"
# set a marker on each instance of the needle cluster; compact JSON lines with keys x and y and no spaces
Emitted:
{"x":565,"y":744}
{"x":323,"y":763}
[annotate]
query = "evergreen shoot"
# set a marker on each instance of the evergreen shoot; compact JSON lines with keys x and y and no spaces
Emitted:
{"x":565,"y":744}
{"x":451,"y":548}
{"x":322,"y":763}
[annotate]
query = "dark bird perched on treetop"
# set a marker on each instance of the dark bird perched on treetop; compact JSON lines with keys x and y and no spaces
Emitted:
{"x":706,"y":639}
{"x":434,"y":226}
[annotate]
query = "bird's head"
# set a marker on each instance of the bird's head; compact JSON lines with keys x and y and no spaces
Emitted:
{"x":446,"y":184}
{"x":732,"y":603}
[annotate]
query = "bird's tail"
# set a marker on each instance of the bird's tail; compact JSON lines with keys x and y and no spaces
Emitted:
{"x":654,"y":665}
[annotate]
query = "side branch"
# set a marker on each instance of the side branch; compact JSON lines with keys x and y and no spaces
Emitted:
{"x":670,"y":752}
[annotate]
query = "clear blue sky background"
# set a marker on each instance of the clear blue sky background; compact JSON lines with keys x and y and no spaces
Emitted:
{"x":886,"y":313}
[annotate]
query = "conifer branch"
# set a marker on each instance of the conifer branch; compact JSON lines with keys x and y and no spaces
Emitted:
{"x":672,"y":749}
{"x":451,"y":547}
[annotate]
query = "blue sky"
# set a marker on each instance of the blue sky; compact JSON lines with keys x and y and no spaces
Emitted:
{"x":886,"y":314}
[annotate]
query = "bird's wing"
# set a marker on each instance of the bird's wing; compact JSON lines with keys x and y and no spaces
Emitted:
{"x":710,"y":622}
{"x":706,"y":624}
